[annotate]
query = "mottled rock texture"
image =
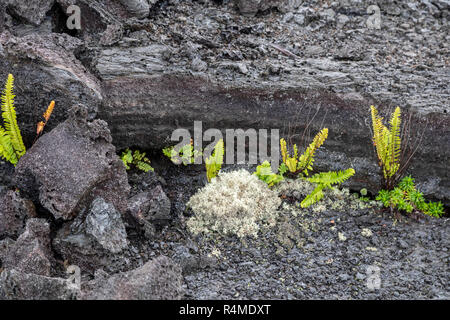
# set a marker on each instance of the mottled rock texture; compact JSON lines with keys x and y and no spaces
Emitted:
{"x":205,"y":61}
{"x":70,"y":166}
{"x":95,"y":241}
{"x":17,"y":285}
{"x":14,"y":211}
{"x":31,"y":11}
{"x":159,"y":279}
{"x":31,"y":253}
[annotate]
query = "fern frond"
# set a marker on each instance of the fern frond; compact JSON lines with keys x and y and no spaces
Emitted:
{"x":307,"y":158}
{"x":378,"y":137}
{"x":49,"y":111}
{"x":264,"y":173}
{"x":10,"y":119}
{"x":313,"y":197}
{"x":214,"y":163}
{"x":327,"y":179}
{"x":290,"y":162}
{"x":127,"y":158}
{"x":394,"y":145}
{"x":144,"y":166}
{"x":283,"y":147}
{"x":6,"y":148}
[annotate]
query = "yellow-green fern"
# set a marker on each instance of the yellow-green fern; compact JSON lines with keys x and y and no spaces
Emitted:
{"x":214,"y":163}
{"x":307,"y":158}
{"x":387,"y":143}
{"x":11,"y":143}
{"x":302,"y":164}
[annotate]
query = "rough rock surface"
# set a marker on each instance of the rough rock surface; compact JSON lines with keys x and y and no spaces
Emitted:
{"x":104,"y":223}
{"x":17,"y":285}
{"x":231,"y":64}
{"x":252,"y":7}
{"x":159,"y":279}
{"x":32,"y":11}
{"x":152,"y":206}
{"x":14,"y":211}
{"x":31,"y":253}
{"x":96,"y":241}
{"x":265,"y":71}
{"x":317,"y":253}
{"x":139,"y":8}
{"x":45,"y":69}
{"x":70,"y":166}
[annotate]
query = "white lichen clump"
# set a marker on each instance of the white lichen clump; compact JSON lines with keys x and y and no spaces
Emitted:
{"x":234,"y":203}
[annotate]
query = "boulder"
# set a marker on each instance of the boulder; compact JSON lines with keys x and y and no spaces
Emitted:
{"x":96,"y":241}
{"x":104,"y":223}
{"x":149,"y":208}
{"x":14,"y":211}
{"x":45,"y":69}
{"x":67,"y":168}
{"x":158,"y":279}
{"x":18,"y":285}
{"x":31,"y":253}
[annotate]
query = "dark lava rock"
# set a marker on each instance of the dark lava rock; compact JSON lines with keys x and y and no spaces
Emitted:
{"x":100,"y":241}
{"x":159,"y":279}
{"x":104,"y":223}
{"x":72,"y":165}
{"x":31,"y":253}
{"x":32,"y":11}
{"x":45,"y":69}
{"x":152,"y":206}
{"x":139,"y":8}
{"x":251,"y":7}
{"x":17,"y":285}
{"x":14,"y":210}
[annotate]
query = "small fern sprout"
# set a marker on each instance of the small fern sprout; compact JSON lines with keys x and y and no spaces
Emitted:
{"x":137,"y":159}
{"x":405,"y":197}
{"x":214,"y":163}
{"x":186,"y":155}
{"x":264,"y":173}
{"x":302,"y":164}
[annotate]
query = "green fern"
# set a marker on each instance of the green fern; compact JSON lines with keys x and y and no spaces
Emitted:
{"x":313,"y":197}
{"x":137,"y":159}
{"x":264,"y":173}
{"x":405,"y":197}
{"x":306,"y":160}
{"x":325,"y":180}
{"x":214,"y":163}
{"x":12,"y":147}
{"x":187,"y":154}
